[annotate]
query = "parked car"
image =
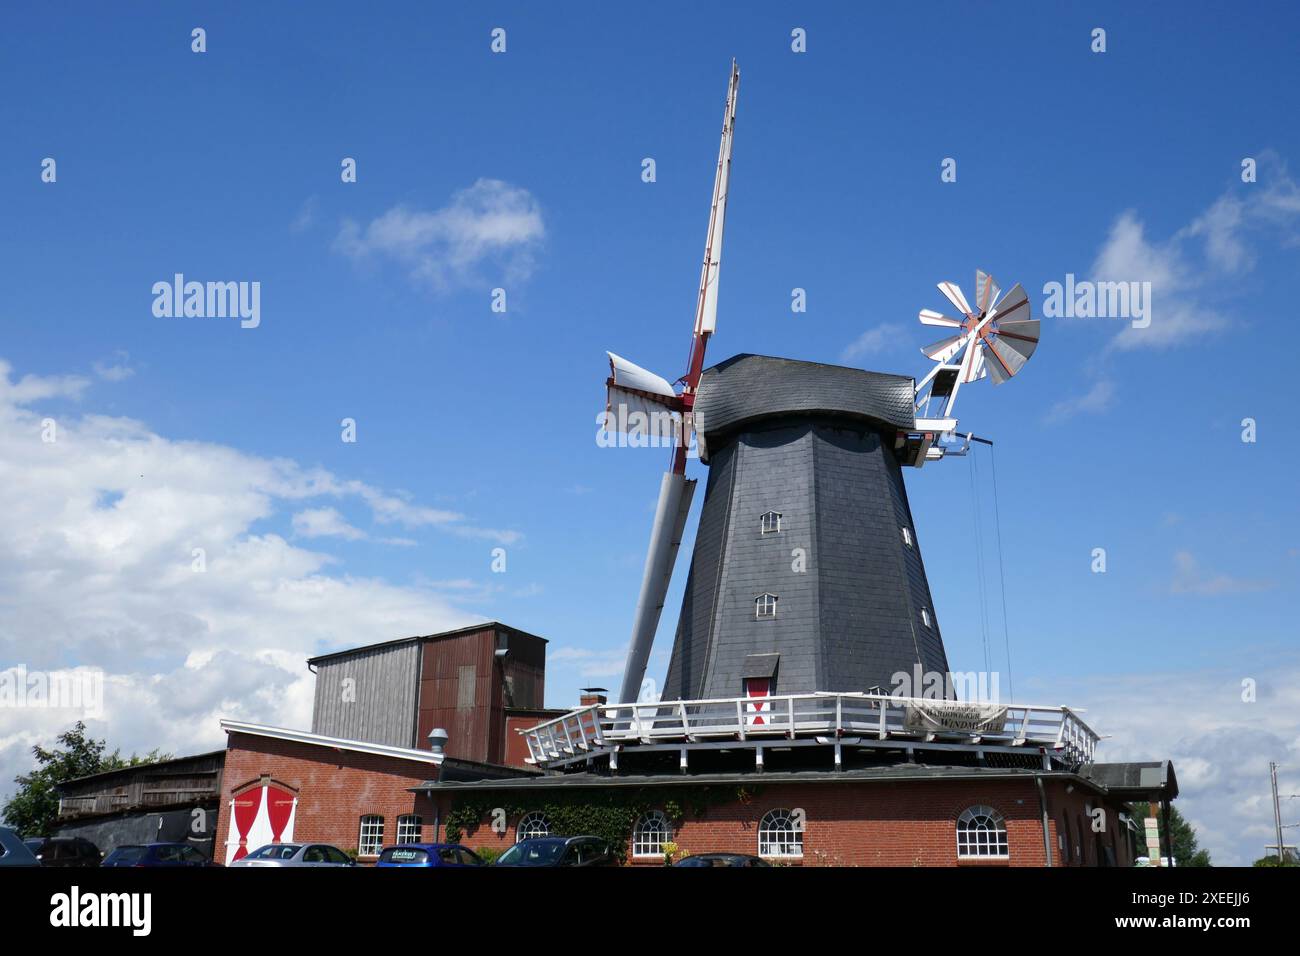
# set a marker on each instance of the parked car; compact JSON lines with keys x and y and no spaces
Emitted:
{"x":428,"y":854}
{"x":13,"y":852}
{"x":722,"y":859}
{"x":156,"y":854}
{"x":559,"y":851}
{"x":64,"y":851}
{"x":296,"y":854}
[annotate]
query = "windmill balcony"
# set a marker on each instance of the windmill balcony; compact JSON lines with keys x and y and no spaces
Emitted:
{"x":829,"y":720}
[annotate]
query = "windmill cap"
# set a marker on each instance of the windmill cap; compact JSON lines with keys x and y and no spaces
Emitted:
{"x":748,"y":388}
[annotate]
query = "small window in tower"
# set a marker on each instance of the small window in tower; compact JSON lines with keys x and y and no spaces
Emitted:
{"x":925,"y":617}
{"x":907,"y":537}
{"x":771,"y":522}
{"x":765,"y":606}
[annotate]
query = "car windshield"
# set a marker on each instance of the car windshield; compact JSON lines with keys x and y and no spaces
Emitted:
{"x":126,"y":854}
{"x":276,"y":851}
{"x":532,"y":853}
{"x":404,"y":854}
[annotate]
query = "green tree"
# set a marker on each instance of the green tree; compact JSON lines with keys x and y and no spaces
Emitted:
{"x":34,"y":808}
{"x":1182,"y":840}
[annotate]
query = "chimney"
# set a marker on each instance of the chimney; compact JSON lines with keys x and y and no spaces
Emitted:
{"x":593,"y":696}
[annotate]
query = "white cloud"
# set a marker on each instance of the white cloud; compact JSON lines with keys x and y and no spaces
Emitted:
{"x":1191,"y":578}
{"x":870,"y":342}
{"x":116,"y":369}
{"x":1177,"y":314}
{"x":1198,"y":260}
{"x":1099,"y":398}
{"x":490,"y":221}
{"x":587,"y":662}
{"x":1220,"y":745}
{"x":324,"y":523}
{"x":307,"y":213}
{"x":34,"y":388}
{"x":97,"y":534}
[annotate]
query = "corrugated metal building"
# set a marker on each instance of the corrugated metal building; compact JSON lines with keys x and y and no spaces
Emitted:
{"x":470,"y":682}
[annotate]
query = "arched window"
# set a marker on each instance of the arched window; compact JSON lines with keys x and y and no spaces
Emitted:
{"x":532,"y":825}
{"x":780,"y":834}
{"x":770,"y":523}
{"x":651,"y":833}
{"x":981,"y":833}
{"x":408,"y":828}
{"x":765,"y":606}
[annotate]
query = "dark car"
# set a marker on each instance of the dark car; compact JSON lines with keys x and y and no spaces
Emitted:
{"x":64,"y":851}
{"x":559,"y":851}
{"x":428,"y":854}
{"x":722,"y":859}
{"x":157,"y":854}
{"x":13,"y":852}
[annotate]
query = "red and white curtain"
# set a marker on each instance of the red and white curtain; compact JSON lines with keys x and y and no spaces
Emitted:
{"x":258,"y":816}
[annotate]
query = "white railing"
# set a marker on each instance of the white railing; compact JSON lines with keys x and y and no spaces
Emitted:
{"x":851,"y":718}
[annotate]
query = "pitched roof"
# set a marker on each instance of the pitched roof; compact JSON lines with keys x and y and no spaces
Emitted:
{"x":485,"y":625}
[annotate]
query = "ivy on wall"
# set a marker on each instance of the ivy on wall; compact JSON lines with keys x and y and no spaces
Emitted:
{"x":610,"y":813}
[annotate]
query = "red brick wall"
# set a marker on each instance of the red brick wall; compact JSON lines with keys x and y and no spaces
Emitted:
{"x":876,"y":824}
{"x":335,"y":788}
{"x":859,"y":824}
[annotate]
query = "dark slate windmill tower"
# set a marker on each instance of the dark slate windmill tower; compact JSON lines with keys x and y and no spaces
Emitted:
{"x":807,"y":573}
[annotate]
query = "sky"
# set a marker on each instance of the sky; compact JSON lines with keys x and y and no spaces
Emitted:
{"x":475,"y":429}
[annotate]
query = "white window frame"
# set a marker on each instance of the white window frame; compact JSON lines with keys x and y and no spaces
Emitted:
{"x":409,"y":828}
{"x":765,"y":606}
{"x":907,"y":536}
{"x":531,"y":825}
{"x":925,"y":617}
{"x":778,"y":837}
{"x":982,"y":835}
{"x":650,"y":834}
{"x":372,"y":825}
{"x":768,"y":527}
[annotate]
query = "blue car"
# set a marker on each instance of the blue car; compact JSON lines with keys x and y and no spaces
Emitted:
{"x":156,"y":854}
{"x":428,"y":854}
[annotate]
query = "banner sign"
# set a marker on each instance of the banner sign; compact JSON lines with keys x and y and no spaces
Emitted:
{"x":953,"y":716}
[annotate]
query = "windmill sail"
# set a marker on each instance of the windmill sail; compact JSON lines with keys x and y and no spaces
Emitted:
{"x":675,"y":494}
{"x":633,"y":389}
{"x":636,"y":395}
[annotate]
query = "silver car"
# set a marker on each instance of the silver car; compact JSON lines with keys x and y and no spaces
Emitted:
{"x":13,"y":852}
{"x":296,"y":854}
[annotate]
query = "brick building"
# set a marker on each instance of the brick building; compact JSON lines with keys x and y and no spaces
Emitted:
{"x":1025,"y":792}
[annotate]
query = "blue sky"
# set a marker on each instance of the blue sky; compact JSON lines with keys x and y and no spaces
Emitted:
{"x":477,"y":429}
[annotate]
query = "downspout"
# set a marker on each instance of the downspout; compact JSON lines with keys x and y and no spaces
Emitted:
{"x":1042,"y":803}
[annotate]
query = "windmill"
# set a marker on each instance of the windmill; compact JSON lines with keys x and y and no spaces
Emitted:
{"x":636,"y":389}
{"x":806,"y":575}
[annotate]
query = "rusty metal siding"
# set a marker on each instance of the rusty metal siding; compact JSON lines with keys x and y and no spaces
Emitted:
{"x":458,"y":681}
{"x":382,"y":703}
